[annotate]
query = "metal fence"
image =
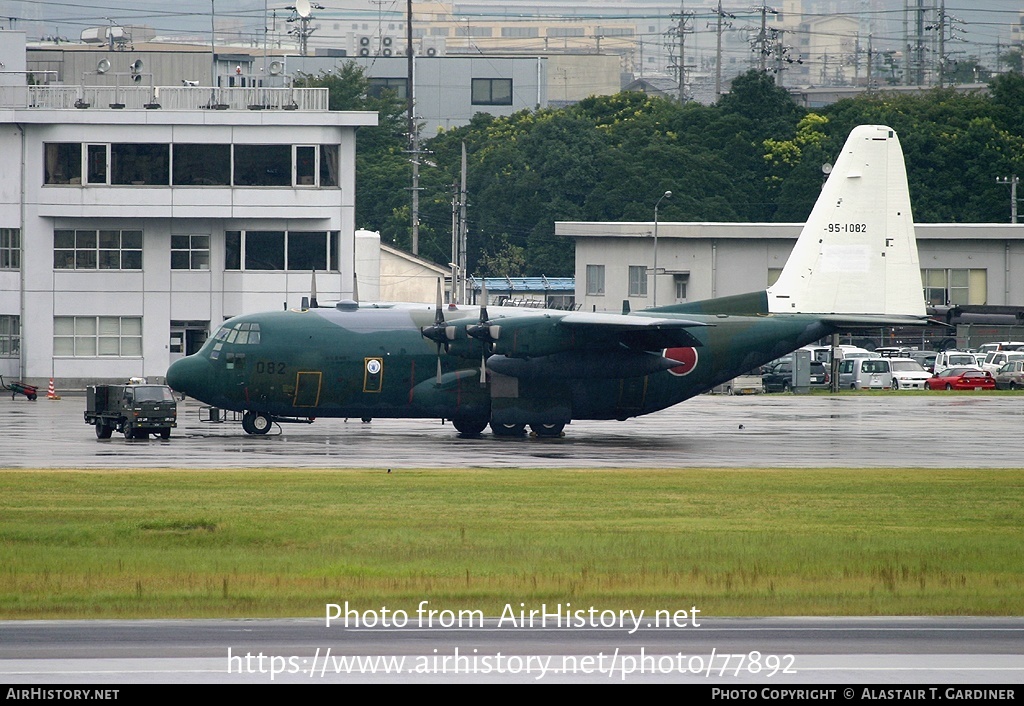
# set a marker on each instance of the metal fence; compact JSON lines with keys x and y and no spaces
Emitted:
{"x":163,"y":97}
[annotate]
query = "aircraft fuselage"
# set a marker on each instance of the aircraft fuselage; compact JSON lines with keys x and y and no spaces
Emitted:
{"x":372,"y":362}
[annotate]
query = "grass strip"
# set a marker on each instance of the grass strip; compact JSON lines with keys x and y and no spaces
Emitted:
{"x":276,"y":543}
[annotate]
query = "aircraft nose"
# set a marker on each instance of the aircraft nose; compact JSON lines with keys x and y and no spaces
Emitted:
{"x":189,"y":375}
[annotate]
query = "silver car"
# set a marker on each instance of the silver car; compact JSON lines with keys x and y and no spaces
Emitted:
{"x":1010,"y":376}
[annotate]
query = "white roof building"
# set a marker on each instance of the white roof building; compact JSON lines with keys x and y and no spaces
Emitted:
{"x":128,"y":233}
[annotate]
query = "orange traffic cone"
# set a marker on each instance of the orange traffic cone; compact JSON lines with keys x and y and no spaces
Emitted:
{"x":50,"y":393}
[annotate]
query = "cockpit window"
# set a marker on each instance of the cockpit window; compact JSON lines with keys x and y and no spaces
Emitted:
{"x":238,"y":334}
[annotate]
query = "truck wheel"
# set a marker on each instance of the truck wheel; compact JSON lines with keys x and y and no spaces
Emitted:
{"x":129,"y":431}
{"x":165,"y":433}
{"x":103,"y":431}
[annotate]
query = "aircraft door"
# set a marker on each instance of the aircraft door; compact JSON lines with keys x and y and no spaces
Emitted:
{"x":632,"y":392}
{"x":307,"y":388}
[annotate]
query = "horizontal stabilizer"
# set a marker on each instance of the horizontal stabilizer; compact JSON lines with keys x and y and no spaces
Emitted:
{"x":841,"y":321}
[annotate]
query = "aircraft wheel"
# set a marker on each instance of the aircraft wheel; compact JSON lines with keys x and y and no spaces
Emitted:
{"x":547,"y":430}
{"x":469,"y":427}
{"x":256,"y":423}
{"x":508,"y":429}
{"x":103,"y":431}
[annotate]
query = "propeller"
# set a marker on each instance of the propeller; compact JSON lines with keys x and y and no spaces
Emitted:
{"x":483,"y":332}
{"x":438,"y":332}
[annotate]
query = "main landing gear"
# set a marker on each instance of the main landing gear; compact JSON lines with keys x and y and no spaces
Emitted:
{"x":473,"y":427}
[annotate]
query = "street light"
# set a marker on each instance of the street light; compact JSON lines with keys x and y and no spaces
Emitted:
{"x":1012,"y":181}
{"x":666,"y":195}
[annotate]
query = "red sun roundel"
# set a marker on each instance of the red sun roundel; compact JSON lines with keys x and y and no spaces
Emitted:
{"x":687,"y":358}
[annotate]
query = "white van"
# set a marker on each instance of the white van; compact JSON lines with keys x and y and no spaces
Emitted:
{"x":1000,"y":346}
{"x":997,"y":359}
{"x":865,"y":373}
{"x":954,"y":359}
{"x":823,"y":354}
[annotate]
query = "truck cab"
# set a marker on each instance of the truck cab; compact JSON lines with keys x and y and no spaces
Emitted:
{"x":136,"y":409}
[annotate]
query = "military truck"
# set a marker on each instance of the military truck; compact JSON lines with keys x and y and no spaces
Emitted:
{"x":136,"y":409}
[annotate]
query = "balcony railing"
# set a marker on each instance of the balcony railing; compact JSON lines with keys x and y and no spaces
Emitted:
{"x":163,"y":98}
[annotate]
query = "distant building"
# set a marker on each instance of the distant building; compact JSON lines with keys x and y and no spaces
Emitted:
{"x":139,"y":220}
{"x":961,"y":263}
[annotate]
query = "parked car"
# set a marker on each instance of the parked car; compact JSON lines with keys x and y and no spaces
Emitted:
{"x":865,"y":374}
{"x":962,"y":379}
{"x":1010,"y":376}
{"x":908,"y":374}
{"x":892,"y":351}
{"x":779,"y":377}
{"x":1000,"y":346}
{"x":925,"y":358}
{"x":954,"y":359}
{"x":997,"y":359}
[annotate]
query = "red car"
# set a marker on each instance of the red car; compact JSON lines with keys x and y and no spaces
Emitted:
{"x":962,"y":379}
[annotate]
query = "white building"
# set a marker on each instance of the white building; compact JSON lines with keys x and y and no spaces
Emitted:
{"x":961,"y":263}
{"x":128,"y":234}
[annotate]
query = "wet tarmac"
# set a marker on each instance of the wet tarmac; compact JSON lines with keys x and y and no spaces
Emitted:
{"x":930,"y":430}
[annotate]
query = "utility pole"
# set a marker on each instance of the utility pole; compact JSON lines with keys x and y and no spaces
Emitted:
{"x":1012,"y":181}
{"x":682,"y":31}
{"x":870,"y":59}
{"x":414,"y":138}
{"x":718,"y":53}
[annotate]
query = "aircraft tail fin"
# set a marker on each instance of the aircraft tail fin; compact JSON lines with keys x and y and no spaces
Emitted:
{"x":857,"y":253}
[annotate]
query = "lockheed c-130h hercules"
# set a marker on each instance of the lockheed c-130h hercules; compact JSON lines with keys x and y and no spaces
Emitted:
{"x":855,"y":264}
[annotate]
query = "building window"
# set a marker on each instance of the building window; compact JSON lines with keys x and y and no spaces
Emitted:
{"x":263,"y":165}
{"x":398,"y":86}
{"x":202,"y":165}
{"x":492,"y":91}
{"x":473,"y":31}
{"x":10,"y":248}
{"x":637,"y":281}
{"x":62,"y":163}
{"x":565,"y":32}
{"x":97,"y":159}
{"x":595,"y":279}
{"x":97,"y":249}
{"x":233,"y":250}
{"x":681,"y":282}
{"x":97,"y":336}
{"x":190,"y":252}
{"x":280,"y":250}
{"x":264,"y":250}
{"x":519,"y":32}
{"x":955,"y":286}
{"x":10,"y":336}
{"x":328,"y":165}
{"x":140,"y":164}
{"x":305,"y":165}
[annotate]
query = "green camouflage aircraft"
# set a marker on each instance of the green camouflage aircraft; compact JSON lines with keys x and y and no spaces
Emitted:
{"x":855,"y":264}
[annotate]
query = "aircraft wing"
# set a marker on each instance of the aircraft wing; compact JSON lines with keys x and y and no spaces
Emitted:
{"x":636,"y":332}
